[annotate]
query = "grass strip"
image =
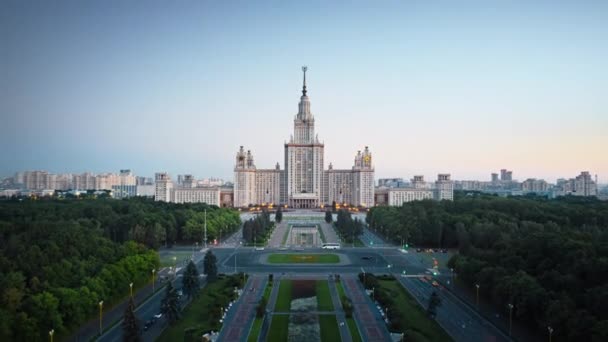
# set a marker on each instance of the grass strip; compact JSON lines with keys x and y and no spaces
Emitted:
{"x":324,"y":302}
{"x":203,"y":313}
{"x":411,"y":315}
{"x":321,"y":234}
{"x":354,"y":331}
{"x":297,"y":258}
{"x":283,"y":303}
{"x":286,"y":234}
{"x":329,"y":328}
{"x":254,"y":334}
{"x":279,"y":328}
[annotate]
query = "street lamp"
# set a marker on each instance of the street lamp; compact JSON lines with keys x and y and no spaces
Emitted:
{"x":174,"y":266}
{"x":550,"y":332}
{"x":100,"y":317}
{"x":131,"y":289}
{"x":510,"y":318}
{"x":51,"y":333}
{"x":153,"y":272}
{"x":477,"y":296}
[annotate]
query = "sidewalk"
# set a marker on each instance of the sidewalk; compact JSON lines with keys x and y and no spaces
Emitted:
{"x":240,"y":317}
{"x":368,"y":318}
{"x":340,"y":316}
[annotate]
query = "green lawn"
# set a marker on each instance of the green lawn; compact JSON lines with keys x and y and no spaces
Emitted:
{"x":284,"y":298}
{"x":413,"y":316}
{"x":202,"y":314}
{"x":354,"y":332}
{"x":254,"y":334}
{"x":324,"y":302}
{"x":329,"y":328}
{"x":303,"y":258}
{"x":279,"y":328}
{"x":340,"y":289}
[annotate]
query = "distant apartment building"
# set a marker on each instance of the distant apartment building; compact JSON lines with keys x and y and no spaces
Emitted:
{"x":581,"y":185}
{"x":187,"y":192}
{"x":418,"y":189}
{"x":533,"y":185}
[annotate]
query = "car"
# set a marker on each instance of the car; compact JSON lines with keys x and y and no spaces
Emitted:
{"x":418,"y":250}
{"x":158,"y":315}
{"x":259,"y":248}
{"x":444,"y":250}
{"x":435,"y":283}
{"x":367,"y":257}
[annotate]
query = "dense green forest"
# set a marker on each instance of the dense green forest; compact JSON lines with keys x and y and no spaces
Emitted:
{"x":59,"y":258}
{"x":549,"y":258}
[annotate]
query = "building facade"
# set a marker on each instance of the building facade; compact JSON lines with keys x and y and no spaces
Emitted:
{"x":303,"y":183}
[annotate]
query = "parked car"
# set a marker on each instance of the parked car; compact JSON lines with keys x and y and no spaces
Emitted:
{"x":158,"y":315}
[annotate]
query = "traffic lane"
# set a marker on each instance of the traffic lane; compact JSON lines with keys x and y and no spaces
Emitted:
{"x":446,"y":316}
{"x":148,"y":309}
{"x":463,"y":323}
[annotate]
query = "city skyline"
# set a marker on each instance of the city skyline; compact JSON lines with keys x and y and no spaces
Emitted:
{"x":165,"y":88}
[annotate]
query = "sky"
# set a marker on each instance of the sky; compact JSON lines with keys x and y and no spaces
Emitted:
{"x":460,"y":87}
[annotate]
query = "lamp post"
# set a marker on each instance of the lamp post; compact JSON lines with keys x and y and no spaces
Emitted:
{"x":100,"y":317}
{"x":510,"y":318}
{"x":174,"y":266}
{"x":550,"y":333}
{"x":51,"y":333}
{"x":153,"y":272}
{"x":131,"y":289}
{"x":477,"y":296}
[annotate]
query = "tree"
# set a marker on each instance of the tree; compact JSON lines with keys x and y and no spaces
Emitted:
{"x":278,"y":217}
{"x":190,"y":281}
{"x":328,"y":217}
{"x":434,"y":303}
{"x":130,"y":325}
{"x":169,"y":306}
{"x":210,"y":266}
{"x":260,"y":310}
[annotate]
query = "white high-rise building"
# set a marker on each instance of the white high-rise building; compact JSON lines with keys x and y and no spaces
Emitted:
{"x":303,"y":183}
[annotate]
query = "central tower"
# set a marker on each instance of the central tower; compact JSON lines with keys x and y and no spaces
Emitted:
{"x":304,"y":158}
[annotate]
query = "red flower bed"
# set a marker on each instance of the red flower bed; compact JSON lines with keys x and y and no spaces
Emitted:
{"x":303,"y":289}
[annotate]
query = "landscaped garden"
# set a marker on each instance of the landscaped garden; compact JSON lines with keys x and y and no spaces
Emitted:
{"x":204,"y":312}
{"x":302,"y":298}
{"x":406,"y":313}
{"x":286,"y":258}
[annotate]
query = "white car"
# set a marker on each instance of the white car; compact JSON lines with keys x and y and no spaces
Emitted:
{"x":158,"y":315}
{"x":259,"y":248}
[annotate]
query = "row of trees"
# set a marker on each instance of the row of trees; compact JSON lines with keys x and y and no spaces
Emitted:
{"x":60,"y":257}
{"x":548,"y":258}
{"x":348,"y":228}
{"x":53,"y":275}
{"x":138,"y":219}
{"x":258,"y":228}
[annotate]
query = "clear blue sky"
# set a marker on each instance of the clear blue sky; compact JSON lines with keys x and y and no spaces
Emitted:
{"x":466,"y":87}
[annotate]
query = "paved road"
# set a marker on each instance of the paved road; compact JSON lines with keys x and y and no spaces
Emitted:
{"x":460,"y":321}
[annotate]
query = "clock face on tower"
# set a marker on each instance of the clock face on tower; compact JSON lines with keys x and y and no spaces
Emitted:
{"x":367,"y":159}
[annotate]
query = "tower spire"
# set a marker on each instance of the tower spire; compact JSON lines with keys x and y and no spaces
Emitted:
{"x":304,"y":68}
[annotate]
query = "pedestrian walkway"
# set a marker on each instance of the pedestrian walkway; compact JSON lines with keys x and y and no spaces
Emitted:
{"x":240,"y":317}
{"x":368,"y":317}
{"x":340,"y":316}
{"x":330,"y":233}
{"x":276,"y":239}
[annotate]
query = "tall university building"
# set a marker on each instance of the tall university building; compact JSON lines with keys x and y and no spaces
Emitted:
{"x":304,"y":183}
